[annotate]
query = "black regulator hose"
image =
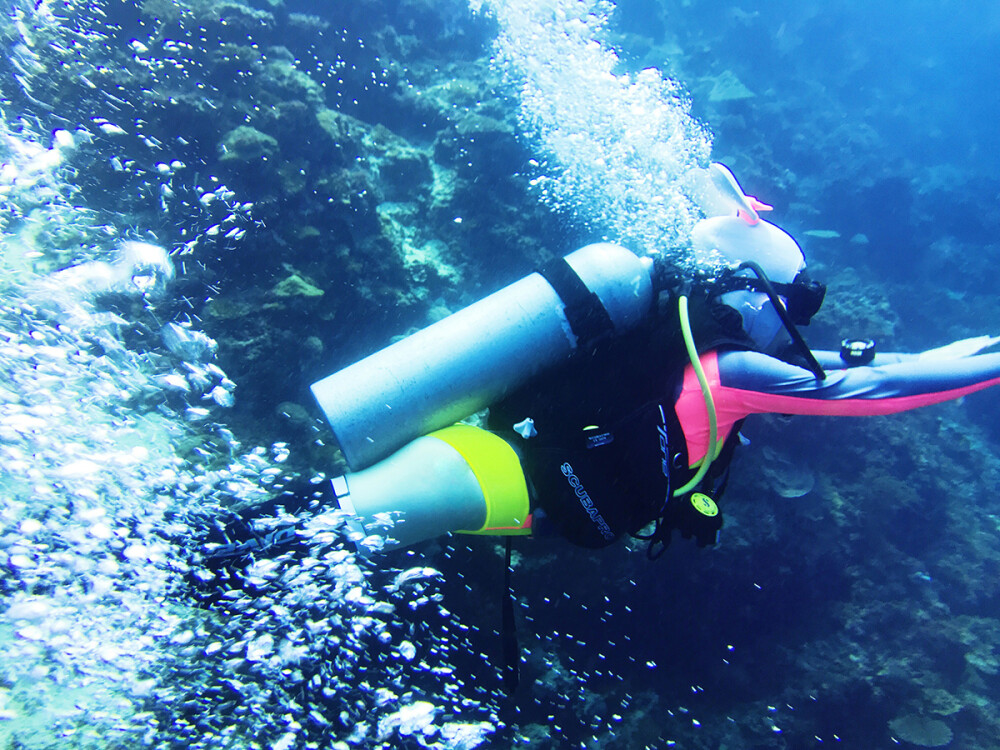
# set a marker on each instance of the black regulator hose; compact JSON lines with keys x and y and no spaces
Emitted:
{"x":779,"y":308}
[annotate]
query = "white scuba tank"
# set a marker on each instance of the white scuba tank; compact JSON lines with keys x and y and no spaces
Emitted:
{"x":473,"y":358}
{"x":440,"y":494}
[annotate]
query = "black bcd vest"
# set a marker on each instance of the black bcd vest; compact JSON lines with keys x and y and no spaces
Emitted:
{"x":609,"y":447}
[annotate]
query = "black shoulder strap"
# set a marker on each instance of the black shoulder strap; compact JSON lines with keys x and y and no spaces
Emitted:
{"x":584,"y":310}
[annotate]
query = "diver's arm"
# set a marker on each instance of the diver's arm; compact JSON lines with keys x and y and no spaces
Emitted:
{"x":265,"y":529}
{"x":833,"y":361}
{"x":756,"y":383}
{"x":953,"y":351}
{"x":746,"y":382}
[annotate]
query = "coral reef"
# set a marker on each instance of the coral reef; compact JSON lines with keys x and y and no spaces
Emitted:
{"x":326,"y":184}
{"x":921,"y":731}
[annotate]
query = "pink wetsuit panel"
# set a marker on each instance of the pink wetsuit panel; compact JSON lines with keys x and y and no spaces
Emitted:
{"x":753,"y":383}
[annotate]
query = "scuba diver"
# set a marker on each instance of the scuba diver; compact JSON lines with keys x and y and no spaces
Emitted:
{"x":615,"y":389}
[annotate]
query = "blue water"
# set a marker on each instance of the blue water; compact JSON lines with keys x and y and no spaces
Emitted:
{"x":320,"y":179}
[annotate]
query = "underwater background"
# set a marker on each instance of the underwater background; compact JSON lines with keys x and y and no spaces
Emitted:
{"x":207,"y":205}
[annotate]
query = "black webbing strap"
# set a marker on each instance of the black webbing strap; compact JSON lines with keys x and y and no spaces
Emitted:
{"x":508,"y":632}
{"x":586,"y":314}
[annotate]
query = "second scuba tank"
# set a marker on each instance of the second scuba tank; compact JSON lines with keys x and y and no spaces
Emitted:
{"x":472,"y":358}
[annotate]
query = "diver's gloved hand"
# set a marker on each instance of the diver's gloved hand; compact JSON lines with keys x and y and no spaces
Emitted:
{"x":961,"y":348}
{"x":266,"y":530}
{"x":242,"y":539}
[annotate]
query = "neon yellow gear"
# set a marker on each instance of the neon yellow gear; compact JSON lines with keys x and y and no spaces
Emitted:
{"x":704,"y":504}
{"x":501,"y":479}
{"x":714,"y":447}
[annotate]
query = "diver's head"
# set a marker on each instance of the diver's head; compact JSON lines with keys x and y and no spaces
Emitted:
{"x":733,"y":234}
{"x":730,"y":241}
{"x":761,"y":322}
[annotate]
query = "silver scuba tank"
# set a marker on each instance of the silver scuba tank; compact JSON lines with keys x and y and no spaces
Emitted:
{"x":465,"y":362}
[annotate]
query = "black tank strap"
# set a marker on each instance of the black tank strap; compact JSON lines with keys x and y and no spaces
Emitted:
{"x":508,"y":631}
{"x":586,"y":314}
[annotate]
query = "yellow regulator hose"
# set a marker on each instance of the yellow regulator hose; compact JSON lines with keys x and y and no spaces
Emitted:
{"x":699,"y":371}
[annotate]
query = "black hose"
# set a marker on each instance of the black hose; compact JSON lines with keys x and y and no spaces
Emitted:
{"x":779,"y":308}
